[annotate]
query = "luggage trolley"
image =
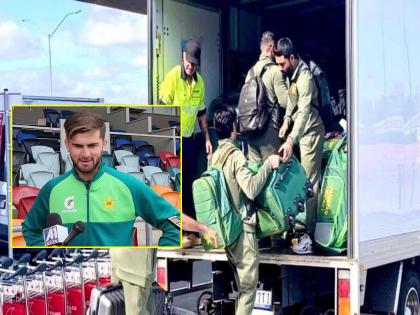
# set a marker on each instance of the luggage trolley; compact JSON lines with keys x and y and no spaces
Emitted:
{"x":13,"y":292}
{"x":67,"y":294}
{"x":96,"y":271}
{"x":36,"y":286}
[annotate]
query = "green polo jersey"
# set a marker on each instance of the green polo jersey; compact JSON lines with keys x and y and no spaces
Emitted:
{"x":108,"y":205}
{"x":176,"y":90}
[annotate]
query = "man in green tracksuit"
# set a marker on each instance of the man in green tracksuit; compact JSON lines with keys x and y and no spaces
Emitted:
{"x":268,"y":142}
{"x":135,"y":269}
{"x":243,"y":186}
{"x":106,"y":200}
{"x":308,"y":129}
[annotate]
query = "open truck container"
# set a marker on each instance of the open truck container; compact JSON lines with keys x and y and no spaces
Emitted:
{"x":368,"y":48}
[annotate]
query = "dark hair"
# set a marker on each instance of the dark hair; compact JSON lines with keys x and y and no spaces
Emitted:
{"x":267,"y":38}
{"x":224,"y":119}
{"x":81,"y":122}
{"x":284,"y":48}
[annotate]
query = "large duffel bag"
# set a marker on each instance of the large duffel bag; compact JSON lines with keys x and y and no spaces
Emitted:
{"x":213,"y":206}
{"x":107,"y":301}
{"x":110,"y":300}
{"x":331,"y":226}
{"x":283,"y":199}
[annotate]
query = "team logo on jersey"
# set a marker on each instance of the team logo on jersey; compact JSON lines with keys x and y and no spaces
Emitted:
{"x":174,"y":220}
{"x":293,"y":89}
{"x":109,"y":203}
{"x":69,"y":203}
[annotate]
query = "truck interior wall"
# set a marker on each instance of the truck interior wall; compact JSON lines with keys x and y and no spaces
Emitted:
{"x":317,"y":29}
{"x":198,"y":22}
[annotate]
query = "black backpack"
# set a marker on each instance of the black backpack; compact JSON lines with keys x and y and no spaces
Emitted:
{"x":254,"y":107}
{"x":325,"y":107}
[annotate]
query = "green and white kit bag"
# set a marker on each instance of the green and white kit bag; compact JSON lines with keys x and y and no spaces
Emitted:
{"x":282,"y":201}
{"x":214,"y":207}
{"x":331,"y":226}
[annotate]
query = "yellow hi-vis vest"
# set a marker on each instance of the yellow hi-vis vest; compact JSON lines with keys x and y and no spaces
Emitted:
{"x":177,"y":91}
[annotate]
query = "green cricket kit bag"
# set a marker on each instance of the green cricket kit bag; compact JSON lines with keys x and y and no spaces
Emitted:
{"x":283,"y":199}
{"x":213,"y":205}
{"x":331,"y":226}
{"x":329,"y":145}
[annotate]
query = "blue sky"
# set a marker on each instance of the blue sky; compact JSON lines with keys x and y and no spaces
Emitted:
{"x":100,"y":52}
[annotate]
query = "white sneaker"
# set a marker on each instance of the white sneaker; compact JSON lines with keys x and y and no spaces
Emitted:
{"x":302,"y":245}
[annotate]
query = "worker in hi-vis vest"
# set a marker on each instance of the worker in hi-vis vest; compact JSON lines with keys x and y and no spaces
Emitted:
{"x":184,"y":86}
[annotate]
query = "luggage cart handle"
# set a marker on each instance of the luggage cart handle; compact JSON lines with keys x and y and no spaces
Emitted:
{"x":87,"y":256}
{"x":24,"y":259}
{"x":56,"y":264}
{"x":6,"y":262}
{"x":19,"y":272}
{"x":40,"y":256}
{"x":40,"y":268}
{"x":93,"y":255}
{"x":76,"y":260}
{"x":56,"y":252}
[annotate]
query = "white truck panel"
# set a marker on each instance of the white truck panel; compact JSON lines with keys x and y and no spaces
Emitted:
{"x":388,"y":134}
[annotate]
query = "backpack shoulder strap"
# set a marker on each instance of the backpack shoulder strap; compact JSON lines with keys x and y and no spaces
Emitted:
{"x":266,"y":66}
{"x":224,"y":156}
{"x":316,"y":71}
{"x":252,"y":72}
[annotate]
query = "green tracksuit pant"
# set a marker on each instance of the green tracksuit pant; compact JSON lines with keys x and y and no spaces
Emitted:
{"x":134,"y":268}
{"x":311,"y":146}
{"x":244,"y":257}
{"x":138,"y":300}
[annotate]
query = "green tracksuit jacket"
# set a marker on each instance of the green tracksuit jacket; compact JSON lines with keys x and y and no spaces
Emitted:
{"x":108,"y":205}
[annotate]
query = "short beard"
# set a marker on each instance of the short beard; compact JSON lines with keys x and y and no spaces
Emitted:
{"x":95,"y":167}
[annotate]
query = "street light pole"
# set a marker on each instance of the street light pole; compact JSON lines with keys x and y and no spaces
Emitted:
{"x":49,"y":43}
{"x":49,"y":56}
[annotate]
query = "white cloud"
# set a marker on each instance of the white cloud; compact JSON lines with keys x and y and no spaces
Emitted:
{"x":117,"y":88}
{"x":107,"y":27}
{"x":140,"y":60}
{"x":96,"y":73}
{"x":15,"y":42}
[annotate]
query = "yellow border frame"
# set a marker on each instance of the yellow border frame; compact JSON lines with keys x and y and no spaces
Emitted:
{"x":12,"y":106}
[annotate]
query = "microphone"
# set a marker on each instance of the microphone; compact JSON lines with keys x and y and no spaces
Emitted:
{"x":76,"y":229}
{"x":55,"y":233}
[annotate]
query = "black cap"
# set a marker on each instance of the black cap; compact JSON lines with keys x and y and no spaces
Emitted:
{"x":193,"y":51}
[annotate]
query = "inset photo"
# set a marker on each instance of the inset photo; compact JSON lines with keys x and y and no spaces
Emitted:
{"x":89,"y":176}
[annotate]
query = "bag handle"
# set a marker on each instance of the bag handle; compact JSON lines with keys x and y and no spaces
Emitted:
{"x":342,"y":143}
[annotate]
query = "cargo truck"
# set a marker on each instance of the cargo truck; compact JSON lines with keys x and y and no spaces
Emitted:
{"x":367,"y":49}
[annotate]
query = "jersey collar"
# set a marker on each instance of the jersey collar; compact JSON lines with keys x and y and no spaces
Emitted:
{"x":295,"y":73}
